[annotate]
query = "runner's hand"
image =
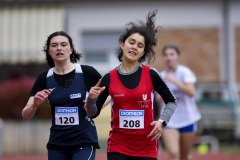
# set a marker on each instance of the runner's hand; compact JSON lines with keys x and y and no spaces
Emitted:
{"x":40,"y":97}
{"x":96,"y":90}
{"x":156,"y":131}
{"x":170,"y":76}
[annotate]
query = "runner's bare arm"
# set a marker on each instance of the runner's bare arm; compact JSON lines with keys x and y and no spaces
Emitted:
{"x":29,"y":110}
{"x":33,"y":103}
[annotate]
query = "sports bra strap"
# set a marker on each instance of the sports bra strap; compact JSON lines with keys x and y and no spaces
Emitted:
{"x":78,"y":69}
{"x":50,"y":72}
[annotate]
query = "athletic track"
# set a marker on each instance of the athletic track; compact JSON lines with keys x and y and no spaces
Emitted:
{"x":102,"y":156}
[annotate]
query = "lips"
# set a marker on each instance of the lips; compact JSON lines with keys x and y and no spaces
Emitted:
{"x":132,"y":53}
{"x":59,"y":54}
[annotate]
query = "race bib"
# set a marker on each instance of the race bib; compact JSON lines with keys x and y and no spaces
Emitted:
{"x":131,"y":119}
{"x":66,"y":116}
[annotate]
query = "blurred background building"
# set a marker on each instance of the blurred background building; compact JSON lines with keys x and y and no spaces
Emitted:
{"x":207,"y":32}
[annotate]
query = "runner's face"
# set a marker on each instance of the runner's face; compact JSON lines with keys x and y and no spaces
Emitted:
{"x":60,"y":49}
{"x":133,"y":48}
{"x":170,"y":57}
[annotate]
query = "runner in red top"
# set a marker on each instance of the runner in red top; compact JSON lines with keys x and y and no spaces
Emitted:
{"x":132,"y":114}
{"x":131,"y":85}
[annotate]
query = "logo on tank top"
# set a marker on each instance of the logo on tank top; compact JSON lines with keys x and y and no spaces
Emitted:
{"x":74,"y":96}
{"x":145,"y":102}
{"x":144,"y":97}
{"x":118,"y":95}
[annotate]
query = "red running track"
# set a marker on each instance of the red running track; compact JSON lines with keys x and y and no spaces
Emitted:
{"x":102,"y":156}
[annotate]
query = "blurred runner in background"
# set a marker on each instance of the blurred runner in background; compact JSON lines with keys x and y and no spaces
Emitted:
{"x":178,"y":136}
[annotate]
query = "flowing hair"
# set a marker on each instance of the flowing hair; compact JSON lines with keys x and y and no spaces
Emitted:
{"x":147,"y":30}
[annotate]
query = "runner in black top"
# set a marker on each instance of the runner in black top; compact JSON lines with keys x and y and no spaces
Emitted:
{"x":73,"y":134}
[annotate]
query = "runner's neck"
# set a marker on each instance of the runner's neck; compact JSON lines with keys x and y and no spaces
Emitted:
{"x":128,"y":67}
{"x":64,"y":68}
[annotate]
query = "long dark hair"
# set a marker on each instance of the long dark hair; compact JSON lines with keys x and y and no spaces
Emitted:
{"x":74,"y":57}
{"x":147,"y":30}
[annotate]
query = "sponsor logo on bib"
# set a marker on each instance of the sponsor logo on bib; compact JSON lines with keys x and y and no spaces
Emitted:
{"x":131,"y":119}
{"x":66,"y":116}
{"x":66,"y":110}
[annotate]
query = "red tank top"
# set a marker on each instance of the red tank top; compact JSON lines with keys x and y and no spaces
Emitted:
{"x":131,"y":115}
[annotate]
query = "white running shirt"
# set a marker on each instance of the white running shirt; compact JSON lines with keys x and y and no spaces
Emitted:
{"x":186,"y":112}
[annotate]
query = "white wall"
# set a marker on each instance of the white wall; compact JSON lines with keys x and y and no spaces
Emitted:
{"x":104,"y":16}
{"x":113,"y":16}
{"x":24,"y":30}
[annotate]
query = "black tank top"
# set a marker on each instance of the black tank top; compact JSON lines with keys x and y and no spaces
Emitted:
{"x":71,"y":127}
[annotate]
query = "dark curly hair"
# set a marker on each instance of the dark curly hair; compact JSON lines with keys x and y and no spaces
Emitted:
{"x":74,"y":57}
{"x":147,"y":30}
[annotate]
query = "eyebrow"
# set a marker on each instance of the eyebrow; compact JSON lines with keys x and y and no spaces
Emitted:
{"x":135,"y":41}
{"x":57,"y":42}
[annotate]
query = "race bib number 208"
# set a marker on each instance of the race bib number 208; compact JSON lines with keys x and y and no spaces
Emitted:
{"x":131,"y":119}
{"x":66,"y":116}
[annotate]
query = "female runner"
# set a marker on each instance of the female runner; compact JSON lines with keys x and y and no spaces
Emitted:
{"x":131,"y":85}
{"x":73,"y":135}
{"x":179,"y":133}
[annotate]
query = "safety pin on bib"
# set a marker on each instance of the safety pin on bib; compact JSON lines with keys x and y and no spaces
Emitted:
{"x":51,"y":89}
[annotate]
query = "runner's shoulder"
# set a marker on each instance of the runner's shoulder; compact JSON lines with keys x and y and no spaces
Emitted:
{"x":154,"y":73}
{"x":90,"y":71}
{"x":39,"y":84}
{"x":87,"y":68}
{"x":41,"y":78}
{"x":183,"y":68}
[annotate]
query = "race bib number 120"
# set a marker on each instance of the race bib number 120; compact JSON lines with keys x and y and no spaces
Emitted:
{"x":66,"y":116}
{"x":131,"y":119}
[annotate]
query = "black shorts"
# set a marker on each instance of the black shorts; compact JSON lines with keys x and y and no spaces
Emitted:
{"x":119,"y":156}
{"x":85,"y":153}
